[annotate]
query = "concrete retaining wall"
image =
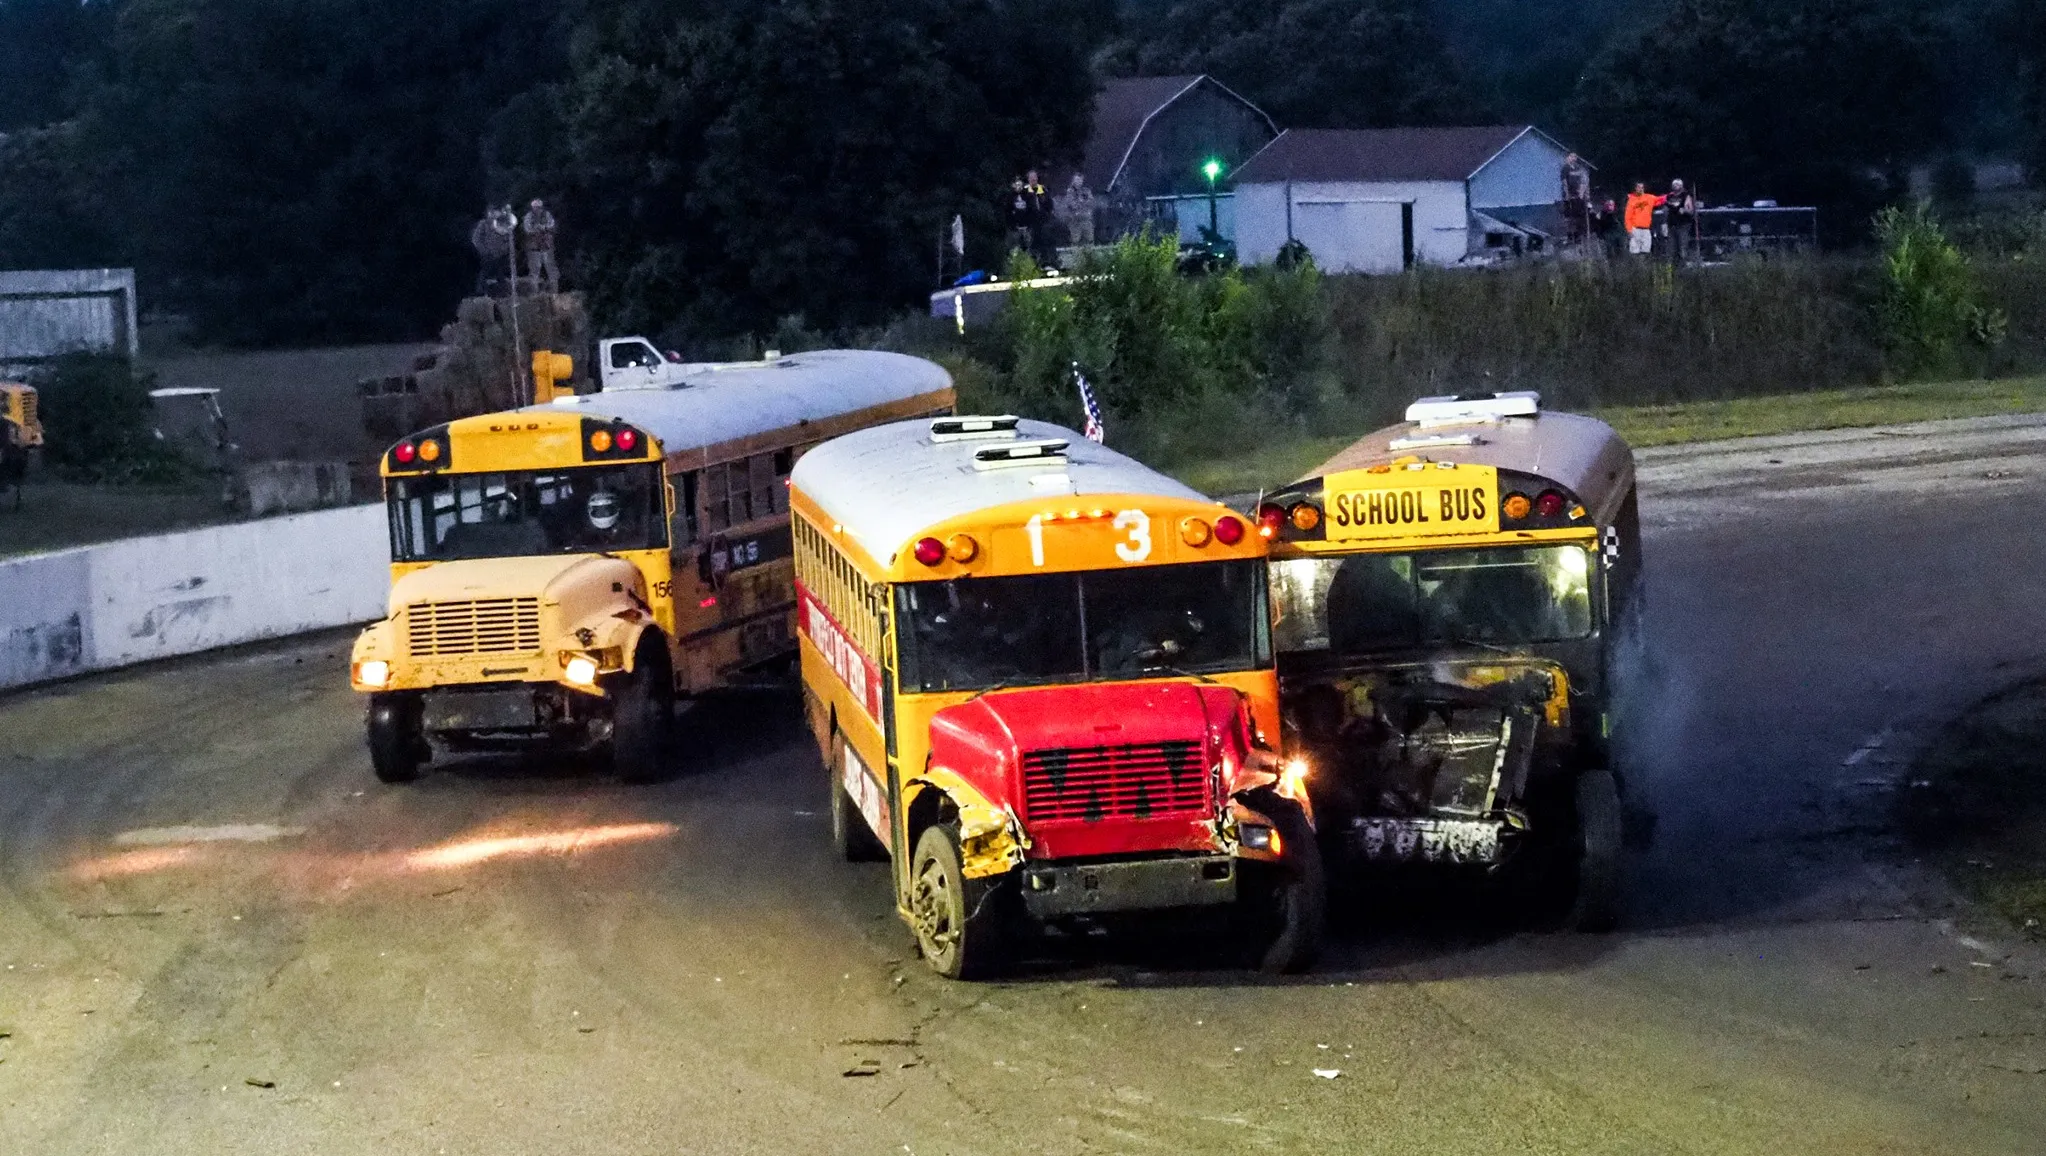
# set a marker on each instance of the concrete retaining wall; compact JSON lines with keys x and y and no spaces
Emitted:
{"x":99,"y":607}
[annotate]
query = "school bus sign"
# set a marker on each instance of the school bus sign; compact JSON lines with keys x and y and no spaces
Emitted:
{"x":1420,"y":502}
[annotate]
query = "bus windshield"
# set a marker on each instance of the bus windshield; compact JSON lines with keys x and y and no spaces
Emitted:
{"x":444,"y":517}
{"x":1364,"y":603}
{"x":1092,"y":626}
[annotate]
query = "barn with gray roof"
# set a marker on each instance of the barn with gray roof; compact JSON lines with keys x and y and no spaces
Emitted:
{"x":1150,"y":136}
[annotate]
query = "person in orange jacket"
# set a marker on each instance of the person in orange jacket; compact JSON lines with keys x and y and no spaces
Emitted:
{"x":1641,"y":206}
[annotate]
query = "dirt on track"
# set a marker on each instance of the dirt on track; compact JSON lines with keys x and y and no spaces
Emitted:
{"x":1975,"y":800}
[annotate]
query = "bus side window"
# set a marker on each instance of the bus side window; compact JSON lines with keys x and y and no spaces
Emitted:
{"x":764,"y":486}
{"x":718,"y":515}
{"x":685,"y":524}
{"x":784,"y":464}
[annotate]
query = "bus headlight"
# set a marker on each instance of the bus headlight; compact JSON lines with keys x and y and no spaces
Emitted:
{"x":374,"y":673}
{"x":1293,"y":779}
{"x":581,"y":670}
{"x":1257,"y":837}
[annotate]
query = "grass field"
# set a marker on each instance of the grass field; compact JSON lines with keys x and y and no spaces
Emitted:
{"x":54,"y":515}
{"x":1976,"y":803}
{"x":1274,"y":464}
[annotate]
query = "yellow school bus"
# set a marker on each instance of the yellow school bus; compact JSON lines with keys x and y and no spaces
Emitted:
{"x":560,"y":573}
{"x":1453,"y":595}
{"x":1041,"y":677}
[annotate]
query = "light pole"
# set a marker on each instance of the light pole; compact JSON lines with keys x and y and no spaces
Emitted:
{"x":1212,"y":169}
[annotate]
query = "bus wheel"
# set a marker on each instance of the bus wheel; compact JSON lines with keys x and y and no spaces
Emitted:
{"x":643,"y":721}
{"x":1284,"y":905}
{"x":850,"y":836}
{"x":957,"y":924}
{"x":397,"y":748}
{"x":1596,"y":847}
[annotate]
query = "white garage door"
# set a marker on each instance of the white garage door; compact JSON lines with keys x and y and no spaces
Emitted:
{"x":1352,"y":236}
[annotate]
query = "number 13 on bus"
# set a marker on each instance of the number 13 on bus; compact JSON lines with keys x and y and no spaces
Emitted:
{"x":1042,"y":678}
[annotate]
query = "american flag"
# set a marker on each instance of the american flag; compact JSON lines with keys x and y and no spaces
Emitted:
{"x":1094,"y":430}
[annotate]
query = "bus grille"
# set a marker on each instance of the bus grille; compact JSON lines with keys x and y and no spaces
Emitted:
{"x":487,"y":626}
{"x":28,"y":409}
{"x":1123,"y":782}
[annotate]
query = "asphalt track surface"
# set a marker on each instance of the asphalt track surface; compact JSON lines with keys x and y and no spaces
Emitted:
{"x":218,"y":934}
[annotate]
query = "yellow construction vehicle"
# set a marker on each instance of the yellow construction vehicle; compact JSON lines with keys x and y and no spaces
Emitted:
{"x":21,"y":433}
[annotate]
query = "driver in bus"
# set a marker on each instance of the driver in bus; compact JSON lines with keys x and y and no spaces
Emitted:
{"x":1151,"y":638}
{"x":603,"y":511}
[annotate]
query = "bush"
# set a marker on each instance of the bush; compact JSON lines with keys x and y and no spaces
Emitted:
{"x":1931,"y":305}
{"x":1175,"y":361}
{"x":96,"y":423}
{"x":1602,"y":333}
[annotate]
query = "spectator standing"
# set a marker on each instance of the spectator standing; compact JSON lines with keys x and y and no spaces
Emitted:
{"x":1641,"y":206}
{"x":1076,"y":209}
{"x":1682,"y":223}
{"x":492,"y":239}
{"x":1019,"y":212}
{"x":1041,"y":216}
{"x":539,"y":246}
{"x":1576,"y":199}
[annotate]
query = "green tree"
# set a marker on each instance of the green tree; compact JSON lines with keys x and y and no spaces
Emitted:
{"x":1308,"y":63}
{"x":55,"y":211}
{"x":306,"y":170}
{"x":741,"y":160}
{"x":1799,"y":100}
{"x":2026,"y":20}
{"x":44,"y":44}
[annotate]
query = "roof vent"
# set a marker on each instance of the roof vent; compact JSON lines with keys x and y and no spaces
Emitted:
{"x":964,"y":429}
{"x":1474,"y":407}
{"x":1434,"y":442}
{"x":1046,"y":451}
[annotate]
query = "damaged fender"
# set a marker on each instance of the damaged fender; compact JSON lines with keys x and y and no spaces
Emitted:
{"x":991,"y":838}
{"x":611,"y":638}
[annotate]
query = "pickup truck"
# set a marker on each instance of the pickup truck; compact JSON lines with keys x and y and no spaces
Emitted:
{"x":635,"y":363}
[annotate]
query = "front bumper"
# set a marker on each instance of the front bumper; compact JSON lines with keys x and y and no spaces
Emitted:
{"x":510,"y":710}
{"x":1465,"y":842}
{"x":1055,"y":889}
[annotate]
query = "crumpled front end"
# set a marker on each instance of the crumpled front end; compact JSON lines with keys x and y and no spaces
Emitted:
{"x":1106,"y":798}
{"x":1431,"y":762}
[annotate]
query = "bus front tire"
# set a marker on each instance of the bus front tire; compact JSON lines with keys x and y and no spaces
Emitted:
{"x":850,"y":836}
{"x":1285,"y":904}
{"x":397,"y":745}
{"x":956,"y":919}
{"x":1597,"y":842}
{"x":643,"y":722}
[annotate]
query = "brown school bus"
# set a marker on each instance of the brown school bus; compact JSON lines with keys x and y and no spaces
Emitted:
{"x":1452,"y":595}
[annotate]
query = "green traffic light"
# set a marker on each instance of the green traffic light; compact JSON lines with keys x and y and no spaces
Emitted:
{"x":1213,"y":169}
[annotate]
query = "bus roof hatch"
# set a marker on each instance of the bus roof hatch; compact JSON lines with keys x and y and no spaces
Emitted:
{"x":1474,"y":407}
{"x":1041,"y":451}
{"x":960,"y":429}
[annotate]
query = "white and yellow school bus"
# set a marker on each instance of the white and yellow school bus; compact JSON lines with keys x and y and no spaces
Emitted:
{"x":1041,"y":677}
{"x":561,"y":573}
{"x":1452,"y":593}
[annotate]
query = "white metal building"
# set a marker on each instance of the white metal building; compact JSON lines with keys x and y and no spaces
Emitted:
{"x":1383,"y":200}
{"x":46,"y":313}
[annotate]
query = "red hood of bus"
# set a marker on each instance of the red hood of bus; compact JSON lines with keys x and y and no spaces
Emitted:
{"x":986,"y":740}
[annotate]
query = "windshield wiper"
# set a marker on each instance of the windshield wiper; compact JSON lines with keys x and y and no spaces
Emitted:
{"x":1167,"y":668}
